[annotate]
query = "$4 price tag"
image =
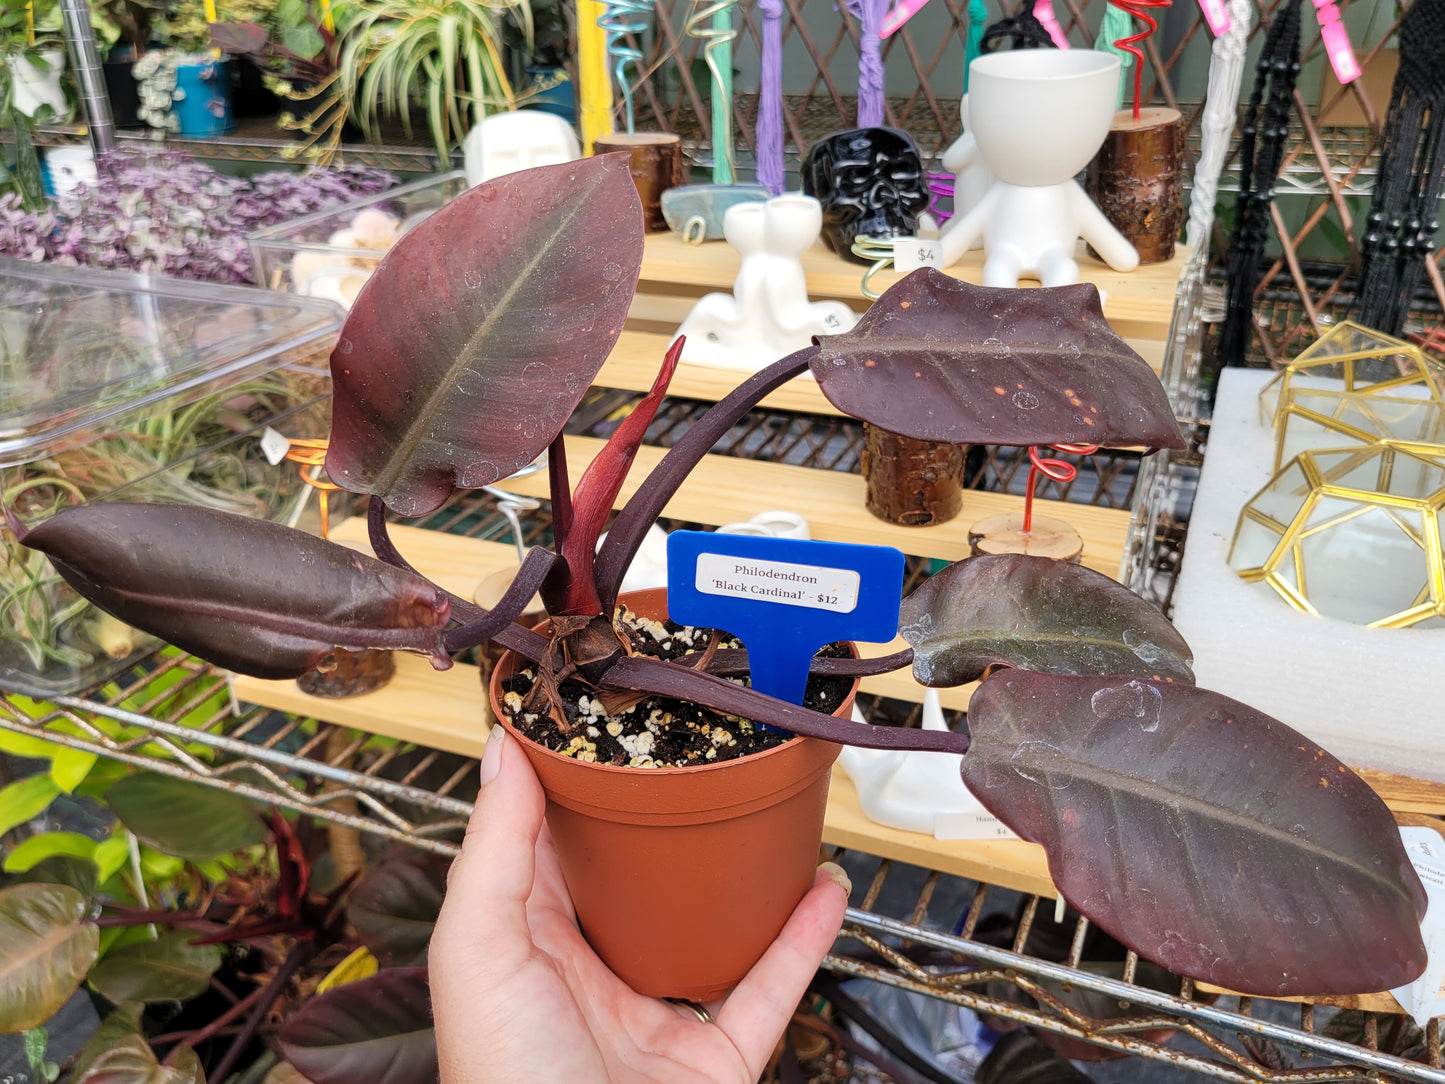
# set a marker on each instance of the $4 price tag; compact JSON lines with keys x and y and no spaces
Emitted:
{"x":911,"y":253}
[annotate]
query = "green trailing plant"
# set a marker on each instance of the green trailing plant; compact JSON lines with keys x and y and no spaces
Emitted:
{"x":444,"y":57}
{"x":1176,"y":819}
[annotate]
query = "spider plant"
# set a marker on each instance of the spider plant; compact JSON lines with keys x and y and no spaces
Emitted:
{"x":443,"y":54}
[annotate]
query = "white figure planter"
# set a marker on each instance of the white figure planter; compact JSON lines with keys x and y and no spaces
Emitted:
{"x":768,"y":314}
{"x":919,"y":791}
{"x":971,"y":176}
{"x":1038,"y":116}
{"x":508,"y":142}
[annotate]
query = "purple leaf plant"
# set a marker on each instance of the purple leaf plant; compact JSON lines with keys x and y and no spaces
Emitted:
{"x":161,"y":212}
{"x":1175,"y":818}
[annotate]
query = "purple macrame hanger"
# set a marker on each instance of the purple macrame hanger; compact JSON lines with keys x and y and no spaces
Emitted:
{"x":770,"y":99}
{"x":870,"y":15}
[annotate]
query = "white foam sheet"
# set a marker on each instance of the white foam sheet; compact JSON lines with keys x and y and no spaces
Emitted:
{"x":1375,"y":698}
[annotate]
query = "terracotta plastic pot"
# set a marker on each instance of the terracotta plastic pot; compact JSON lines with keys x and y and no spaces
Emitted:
{"x":682,"y":877}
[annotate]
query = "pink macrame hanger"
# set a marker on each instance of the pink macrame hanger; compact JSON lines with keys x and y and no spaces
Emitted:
{"x":1044,"y":13}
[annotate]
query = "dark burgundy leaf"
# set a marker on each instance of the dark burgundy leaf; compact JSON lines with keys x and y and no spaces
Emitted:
{"x":378,"y":1030}
{"x":248,"y":595}
{"x":395,"y":907}
{"x":1200,"y":832}
{"x":1038,"y":614}
{"x":477,"y":336}
{"x":940,"y":359}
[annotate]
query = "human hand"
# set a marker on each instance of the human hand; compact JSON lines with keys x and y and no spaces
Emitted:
{"x":518,"y":995}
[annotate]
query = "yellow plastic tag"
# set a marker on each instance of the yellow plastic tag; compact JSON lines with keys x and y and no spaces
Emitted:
{"x":361,"y":964}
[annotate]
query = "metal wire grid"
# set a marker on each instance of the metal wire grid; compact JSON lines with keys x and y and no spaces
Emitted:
{"x":411,"y":795}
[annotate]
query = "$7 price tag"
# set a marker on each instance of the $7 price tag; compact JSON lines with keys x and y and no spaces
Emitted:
{"x":911,"y":253}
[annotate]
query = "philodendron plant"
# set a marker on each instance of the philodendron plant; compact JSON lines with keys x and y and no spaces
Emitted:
{"x":1205,"y":835}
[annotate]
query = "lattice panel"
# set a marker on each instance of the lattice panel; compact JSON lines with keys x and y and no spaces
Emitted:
{"x":1329,"y":168}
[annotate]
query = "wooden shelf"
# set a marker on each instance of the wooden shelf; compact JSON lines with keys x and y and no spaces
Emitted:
{"x":1138,"y":304}
{"x":724,"y":489}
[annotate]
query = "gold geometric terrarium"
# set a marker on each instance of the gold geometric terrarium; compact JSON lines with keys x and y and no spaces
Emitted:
{"x":1352,"y":533}
{"x":1355,"y":384}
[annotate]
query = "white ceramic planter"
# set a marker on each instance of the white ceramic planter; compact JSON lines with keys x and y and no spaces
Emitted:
{"x":971,"y":176}
{"x":34,"y":88}
{"x":507,"y":142}
{"x":1038,"y":116}
{"x":768,"y":314}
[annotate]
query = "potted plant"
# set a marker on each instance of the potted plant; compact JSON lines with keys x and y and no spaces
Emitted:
{"x":1179,"y":821}
{"x":443,"y":55}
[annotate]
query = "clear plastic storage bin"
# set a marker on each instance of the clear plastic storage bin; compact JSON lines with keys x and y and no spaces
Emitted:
{"x":330,"y":254}
{"x":116,"y":386}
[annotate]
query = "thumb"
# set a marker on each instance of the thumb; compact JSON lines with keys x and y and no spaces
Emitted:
{"x":488,"y":884}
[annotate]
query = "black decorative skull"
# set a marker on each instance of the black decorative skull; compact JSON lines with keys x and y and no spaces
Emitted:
{"x":870,"y":182}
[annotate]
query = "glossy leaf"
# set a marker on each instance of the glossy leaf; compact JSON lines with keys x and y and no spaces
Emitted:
{"x":378,"y":1030}
{"x":247,"y":594}
{"x":395,"y":907}
{"x":44,"y":845}
{"x":1203,"y":834}
{"x":940,"y":359}
{"x":131,"y":1061}
{"x":120,"y":1023}
{"x":69,"y":767}
{"x":185,"y":819}
{"x":1038,"y":614}
{"x":25,"y":799}
{"x":65,"y":869}
{"x":46,"y":947}
{"x":169,"y":968}
{"x":477,"y":336}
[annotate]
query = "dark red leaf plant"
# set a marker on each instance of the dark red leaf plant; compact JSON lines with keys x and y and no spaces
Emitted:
{"x":459,"y":364}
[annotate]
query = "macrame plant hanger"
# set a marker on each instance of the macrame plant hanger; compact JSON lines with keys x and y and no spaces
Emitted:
{"x":1261,"y":153}
{"x":1400,"y":228}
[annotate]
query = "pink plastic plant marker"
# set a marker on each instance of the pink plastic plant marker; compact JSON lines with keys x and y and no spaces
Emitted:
{"x":1044,"y":13}
{"x":1216,"y":14}
{"x":901,"y":13}
{"x":1337,"y":42}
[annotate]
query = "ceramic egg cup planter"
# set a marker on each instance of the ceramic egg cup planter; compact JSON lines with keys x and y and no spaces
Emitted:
{"x":682,"y":877}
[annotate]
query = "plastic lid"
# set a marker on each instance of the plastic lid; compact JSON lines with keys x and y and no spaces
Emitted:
{"x":79,"y":347}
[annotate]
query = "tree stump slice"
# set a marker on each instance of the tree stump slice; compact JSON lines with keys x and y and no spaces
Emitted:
{"x":353,"y":673}
{"x":914,"y":483}
{"x":657,"y":165}
{"x":1050,"y":537}
{"x":1137,"y":179}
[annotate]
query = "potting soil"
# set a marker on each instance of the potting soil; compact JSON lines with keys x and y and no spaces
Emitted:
{"x":655,"y":732}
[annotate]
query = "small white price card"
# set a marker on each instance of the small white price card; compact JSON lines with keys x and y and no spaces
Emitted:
{"x":911,"y":253}
{"x":818,"y":588}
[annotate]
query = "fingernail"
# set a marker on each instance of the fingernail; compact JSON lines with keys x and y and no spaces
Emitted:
{"x":837,"y":875}
{"x":492,"y":755}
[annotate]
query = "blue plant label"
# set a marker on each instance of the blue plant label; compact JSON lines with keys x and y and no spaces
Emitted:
{"x":783,"y":597}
